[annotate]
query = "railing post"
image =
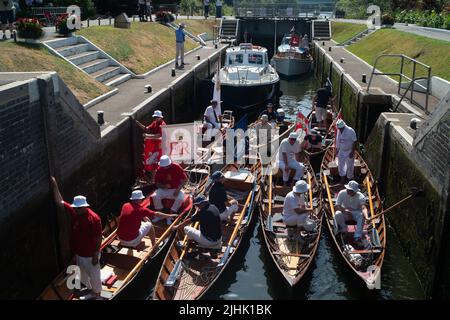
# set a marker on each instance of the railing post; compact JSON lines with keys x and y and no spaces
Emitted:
{"x":428,"y":89}
{"x":401,"y":74}
{"x":413,"y":80}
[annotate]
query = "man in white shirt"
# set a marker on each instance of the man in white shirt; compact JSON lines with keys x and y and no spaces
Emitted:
{"x":351,"y":205}
{"x":345,"y":150}
{"x":288,"y":153}
{"x":212,"y":119}
{"x":295,"y":211}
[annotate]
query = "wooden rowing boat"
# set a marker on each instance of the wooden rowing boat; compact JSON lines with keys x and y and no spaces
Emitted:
{"x":120,"y":264}
{"x":365,"y":262}
{"x":291,"y":256}
{"x":184,"y":278}
{"x":282,"y":131}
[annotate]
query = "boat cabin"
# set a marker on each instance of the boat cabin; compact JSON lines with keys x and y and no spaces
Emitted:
{"x":247,"y":55}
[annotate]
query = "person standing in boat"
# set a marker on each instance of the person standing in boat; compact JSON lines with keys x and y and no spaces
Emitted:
{"x":345,"y":150}
{"x":288,"y":155}
{"x":134,"y":221}
{"x":86,"y":238}
{"x":321,"y":100}
{"x":295,"y":211}
{"x":219,"y":198}
{"x":212,"y":119}
{"x":280,"y":116}
{"x":155,"y":127}
{"x":351,"y":205}
{"x":271,"y":114}
{"x":305,"y":43}
{"x":209,"y":235}
{"x":169,"y":180}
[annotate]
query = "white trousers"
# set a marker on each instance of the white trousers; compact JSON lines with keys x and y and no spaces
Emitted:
{"x":321,"y":114}
{"x":196,"y":235}
{"x":229,"y":211}
{"x":179,"y":52}
{"x":346,"y":165}
{"x":89,"y":274}
{"x":161,"y":194}
{"x":143,"y":231}
{"x":294,"y":165}
{"x":357,"y":215}
{"x":300,"y":220}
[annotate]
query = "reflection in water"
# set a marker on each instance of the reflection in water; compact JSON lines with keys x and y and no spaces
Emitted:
{"x":253,"y":275}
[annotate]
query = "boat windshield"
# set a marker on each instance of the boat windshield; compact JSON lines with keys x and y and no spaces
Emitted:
{"x":286,"y":40}
{"x":255,"y":58}
{"x":235,"y":59}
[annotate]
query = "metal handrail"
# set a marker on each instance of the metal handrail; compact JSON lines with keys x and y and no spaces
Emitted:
{"x":306,"y":9}
{"x":401,"y":75}
{"x":406,"y":91}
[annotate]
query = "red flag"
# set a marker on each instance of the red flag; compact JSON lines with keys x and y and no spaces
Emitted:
{"x":302,"y":123}
{"x":152,"y":153}
{"x":295,"y":40}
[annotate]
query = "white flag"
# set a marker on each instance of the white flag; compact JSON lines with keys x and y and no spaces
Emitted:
{"x":216,"y":91}
{"x":179,"y":142}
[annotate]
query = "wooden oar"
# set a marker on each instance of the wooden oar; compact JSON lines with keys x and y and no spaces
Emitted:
{"x":310,"y":191}
{"x":375,"y":236}
{"x":392,"y":207}
{"x":154,"y":247}
{"x":269,"y":222}
{"x":330,"y":199}
{"x":173,"y":276}
{"x":236,"y":228}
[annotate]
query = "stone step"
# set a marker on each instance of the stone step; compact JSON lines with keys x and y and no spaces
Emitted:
{"x":83,"y":57}
{"x":95,"y":65}
{"x":106,"y":73}
{"x":55,"y":44}
{"x":67,"y":51}
{"x":118,"y":79}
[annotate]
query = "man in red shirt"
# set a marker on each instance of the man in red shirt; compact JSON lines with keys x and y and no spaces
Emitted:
{"x":169,"y":179}
{"x":134,"y":221}
{"x":86,"y":238}
{"x":155,"y":127}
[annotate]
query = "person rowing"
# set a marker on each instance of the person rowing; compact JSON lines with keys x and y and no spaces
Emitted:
{"x":218,"y":197}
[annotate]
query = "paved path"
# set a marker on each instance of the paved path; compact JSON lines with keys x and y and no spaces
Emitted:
{"x":131,"y":93}
{"x":355,"y":67}
{"x":439,"y":34}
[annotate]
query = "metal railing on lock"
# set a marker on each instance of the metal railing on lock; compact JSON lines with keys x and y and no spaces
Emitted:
{"x":306,"y":9}
{"x":412,"y":81}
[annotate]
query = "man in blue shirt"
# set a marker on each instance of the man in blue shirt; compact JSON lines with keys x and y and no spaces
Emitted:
{"x":180,"y":38}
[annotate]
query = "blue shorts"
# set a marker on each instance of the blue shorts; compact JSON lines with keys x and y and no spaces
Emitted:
{"x":6,"y":17}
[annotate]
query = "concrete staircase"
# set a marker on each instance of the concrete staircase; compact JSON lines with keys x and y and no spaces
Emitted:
{"x":90,"y":59}
{"x":229,"y":30}
{"x":321,"y":29}
{"x":357,"y":38}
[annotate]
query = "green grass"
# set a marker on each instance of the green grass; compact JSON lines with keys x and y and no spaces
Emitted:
{"x":434,"y":53}
{"x":196,"y":26}
{"x":141,"y":48}
{"x":26,"y":58}
{"x":342,"y":31}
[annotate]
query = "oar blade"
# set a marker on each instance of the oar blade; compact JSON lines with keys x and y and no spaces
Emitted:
{"x":173,"y":276}
{"x":224,"y":258}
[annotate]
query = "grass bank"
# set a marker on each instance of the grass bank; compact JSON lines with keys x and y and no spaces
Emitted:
{"x":432,"y":52}
{"x":141,"y":48}
{"x":25,"y":58}
{"x":198,"y":26}
{"x":342,"y":31}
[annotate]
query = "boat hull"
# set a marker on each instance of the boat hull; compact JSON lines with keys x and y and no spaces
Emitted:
{"x":250,"y":100}
{"x":291,"y":66}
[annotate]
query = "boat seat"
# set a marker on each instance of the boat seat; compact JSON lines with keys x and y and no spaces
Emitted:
{"x":139,"y":247}
{"x":350,"y":222}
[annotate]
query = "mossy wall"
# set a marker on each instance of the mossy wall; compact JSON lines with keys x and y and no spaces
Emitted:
{"x":349,"y":105}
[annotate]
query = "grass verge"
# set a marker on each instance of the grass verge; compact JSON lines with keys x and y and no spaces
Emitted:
{"x":342,"y":31}
{"x":434,"y":53}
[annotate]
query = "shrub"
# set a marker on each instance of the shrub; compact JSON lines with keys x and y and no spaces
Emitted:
{"x":28,"y":28}
{"x":61,"y":24}
{"x":387,"y":19}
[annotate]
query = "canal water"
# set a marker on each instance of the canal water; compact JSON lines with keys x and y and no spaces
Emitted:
{"x":253,"y":275}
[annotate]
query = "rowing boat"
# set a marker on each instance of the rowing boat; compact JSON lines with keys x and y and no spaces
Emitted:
{"x":120,"y":264}
{"x":292,"y":257}
{"x":186,"y":278}
{"x":365,"y":262}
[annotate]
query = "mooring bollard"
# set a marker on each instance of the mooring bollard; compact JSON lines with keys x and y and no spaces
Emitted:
{"x":215,"y":46}
{"x":323,"y":43}
{"x":88,"y":22}
{"x":364,"y":78}
{"x":329,"y":48}
{"x":342,"y":60}
{"x":198,"y":57}
{"x":148,"y":88}
{"x":173,"y":72}
{"x":99,"y":20}
{"x":100,"y":118}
